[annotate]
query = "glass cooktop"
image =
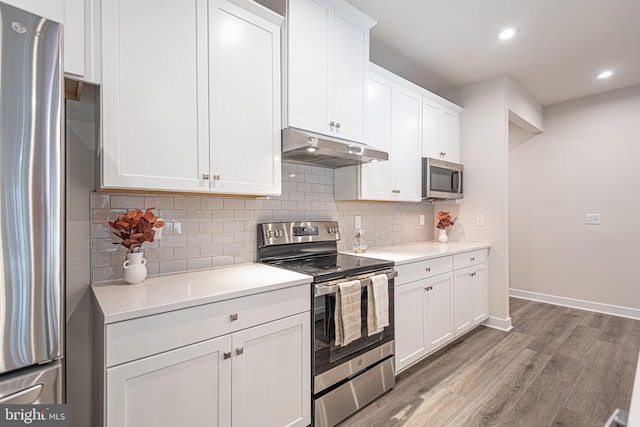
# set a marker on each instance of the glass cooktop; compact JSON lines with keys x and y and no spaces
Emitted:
{"x":330,"y":267}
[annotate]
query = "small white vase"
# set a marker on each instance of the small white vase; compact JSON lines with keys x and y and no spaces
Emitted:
{"x":442,"y":235}
{"x":135,"y":268}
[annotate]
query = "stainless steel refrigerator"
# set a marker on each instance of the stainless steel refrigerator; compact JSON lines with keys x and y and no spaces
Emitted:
{"x":31,"y":209}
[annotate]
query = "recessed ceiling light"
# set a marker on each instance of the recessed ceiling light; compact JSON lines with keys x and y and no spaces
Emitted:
{"x":605,"y":74}
{"x":507,"y":33}
{"x":312,"y":149}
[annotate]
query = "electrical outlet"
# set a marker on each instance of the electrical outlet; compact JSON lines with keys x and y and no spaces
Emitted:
{"x":480,"y":220}
{"x":421,"y":219}
{"x":358,"y":222}
{"x":592,"y":219}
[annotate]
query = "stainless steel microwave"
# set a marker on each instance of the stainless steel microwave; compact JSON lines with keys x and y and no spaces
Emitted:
{"x":441,"y":180}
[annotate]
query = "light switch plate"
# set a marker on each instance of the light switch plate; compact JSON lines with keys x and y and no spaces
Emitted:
{"x":358,"y":222}
{"x":592,"y":219}
{"x":480,"y":220}
{"x":421,"y":219}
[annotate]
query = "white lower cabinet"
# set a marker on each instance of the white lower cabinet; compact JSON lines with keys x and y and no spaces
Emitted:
{"x":470,"y":291}
{"x":437,"y":300}
{"x":188,"y":386}
{"x":258,"y":372}
{"x":424,"y":319}
{"x":271,"y":374}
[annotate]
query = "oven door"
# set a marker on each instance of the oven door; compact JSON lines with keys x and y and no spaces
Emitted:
{"x":326,"y":354}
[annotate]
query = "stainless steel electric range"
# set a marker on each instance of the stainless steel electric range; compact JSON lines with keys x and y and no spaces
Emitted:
{"x":345,"y":378}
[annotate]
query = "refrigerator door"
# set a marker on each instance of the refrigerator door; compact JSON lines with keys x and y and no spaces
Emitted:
{"x":39,"y":385}
{"x":31,"y":190}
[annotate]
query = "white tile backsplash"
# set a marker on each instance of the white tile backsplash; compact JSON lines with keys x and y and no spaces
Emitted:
{"x":209,"y":231}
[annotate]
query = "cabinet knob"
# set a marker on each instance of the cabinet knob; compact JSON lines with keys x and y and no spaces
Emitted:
{"x":428,"y":269}
{"x":337,"y":125}
{"x":205,"y":176}
{"x":239,"y":351}
{"x":226,"y":355}
{"x":233,"y":316}
{"x":332,"y":124}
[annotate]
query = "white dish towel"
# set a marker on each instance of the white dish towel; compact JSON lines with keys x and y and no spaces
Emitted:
{"x":347,"y":313}
{"x":378,"y":304}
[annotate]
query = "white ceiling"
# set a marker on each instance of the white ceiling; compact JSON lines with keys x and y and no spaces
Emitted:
{"x":560,"y":47}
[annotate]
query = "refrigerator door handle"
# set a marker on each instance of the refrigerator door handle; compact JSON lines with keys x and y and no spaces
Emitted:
{"x":23,"y":397}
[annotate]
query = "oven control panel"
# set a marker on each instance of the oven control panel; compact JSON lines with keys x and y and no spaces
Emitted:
{"x":281,"y":233}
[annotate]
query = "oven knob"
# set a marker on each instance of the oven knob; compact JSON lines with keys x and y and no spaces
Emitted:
{"x":269,"y":234}
{"x":278,"y":233}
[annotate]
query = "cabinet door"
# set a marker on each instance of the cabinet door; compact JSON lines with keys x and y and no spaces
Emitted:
{"x":376,"y":177}
{"x":449,"y":134}
{"x":479,"y":293}
{"x":350,"y":72}
{"x":189,"y":386}
{"x":462,"y":292}
{"x":310,"y":33}
{"x":405,"y":146}
{"x":410,"y":323}
{"x":430,"y":137}
{"x":154,"y":95}
{"x":439,"y":310}
{"x":272,"y":374}
{"x":244,"y":67}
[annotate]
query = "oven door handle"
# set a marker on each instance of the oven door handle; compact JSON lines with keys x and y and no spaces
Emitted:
{"x":332,"y":289}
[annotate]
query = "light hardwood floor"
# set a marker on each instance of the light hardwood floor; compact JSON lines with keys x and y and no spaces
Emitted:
{"x":558,"y":367}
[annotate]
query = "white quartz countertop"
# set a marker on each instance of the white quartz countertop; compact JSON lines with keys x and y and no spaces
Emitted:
{"x":412,"y":252}
{"x":120,"y":301}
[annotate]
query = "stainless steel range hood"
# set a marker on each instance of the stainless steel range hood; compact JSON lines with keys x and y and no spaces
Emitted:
{"x":307,"y":147}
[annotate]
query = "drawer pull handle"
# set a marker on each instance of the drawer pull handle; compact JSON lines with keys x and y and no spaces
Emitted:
{"x":226,"y":355}
{"x":473,"y":259}
{"x":428,"y":269}
{"x":239,"y":351}
{"x":233,"y":317}
{"x":428,"y":288}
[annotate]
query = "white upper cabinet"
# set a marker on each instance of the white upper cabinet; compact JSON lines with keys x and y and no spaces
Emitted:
{"x":406,"y":163}
{"x":244,"y":100}
{"x":78,"y":17}
{"x":327,"y":67}
{"x":81,"y":44}
{"x":393,"y":125}
{"x":191,"y":96}
{"x":440,"y":130}
{"x":376,"y":181}
{"x":154,"y":95}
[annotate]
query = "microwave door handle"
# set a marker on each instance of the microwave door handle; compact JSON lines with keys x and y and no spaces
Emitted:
{"x":459,"y":173}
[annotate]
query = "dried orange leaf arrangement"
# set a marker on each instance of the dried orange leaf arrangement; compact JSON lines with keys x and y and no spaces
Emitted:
{"x":444,"y":220}
{"x":135,"y":227}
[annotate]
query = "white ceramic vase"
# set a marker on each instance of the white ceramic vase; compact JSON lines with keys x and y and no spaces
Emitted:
{"x":135,"y":268}
{"x":442,"y":235}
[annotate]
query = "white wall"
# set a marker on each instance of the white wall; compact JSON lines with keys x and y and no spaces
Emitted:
{"x":484,"y":137}
{"x":586,"y":161}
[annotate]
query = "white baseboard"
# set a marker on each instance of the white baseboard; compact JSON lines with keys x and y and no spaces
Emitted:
{"x":497,"y":323}
{"x":614,"y":310}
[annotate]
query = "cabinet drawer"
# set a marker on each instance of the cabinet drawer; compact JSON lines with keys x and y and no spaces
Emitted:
{"x":423,"y":269}
{"x":470,"y":258}
{"x":133,"y":339}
